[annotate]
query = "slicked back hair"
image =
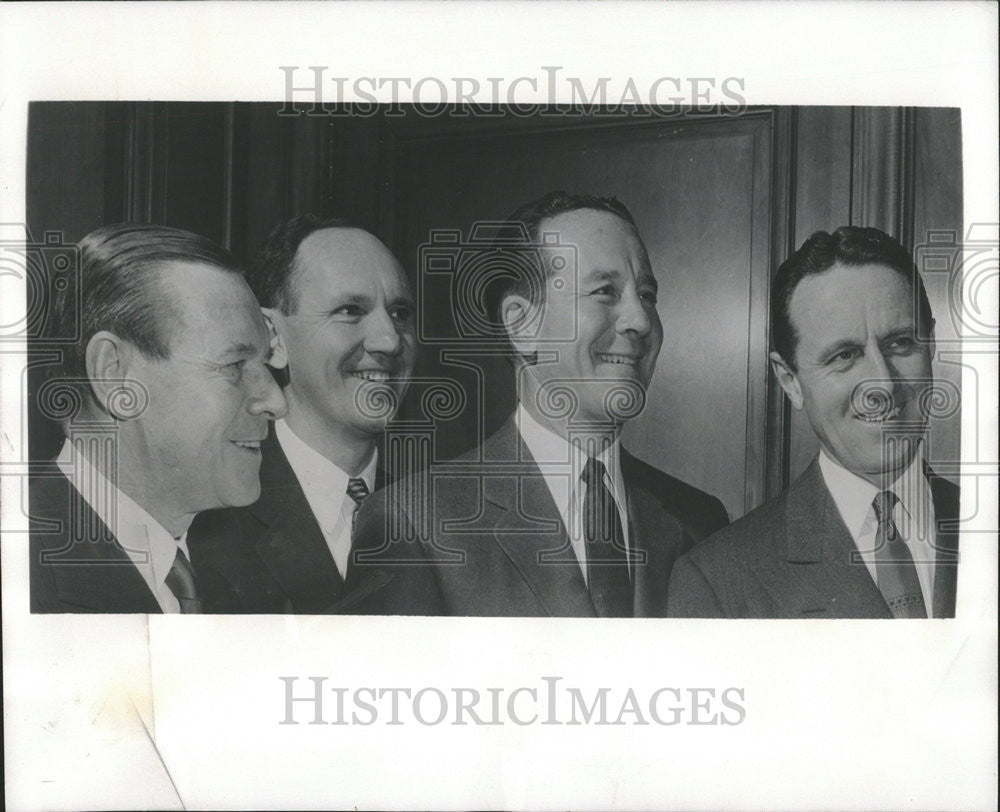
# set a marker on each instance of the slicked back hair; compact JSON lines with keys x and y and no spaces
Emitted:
{"x":121,"y":290}
{"x":272,"y":272}
{"x":853,"y":246}
{"x":524,"y":273}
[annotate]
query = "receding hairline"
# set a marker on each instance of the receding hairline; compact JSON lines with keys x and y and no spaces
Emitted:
{"x":343,"y":235}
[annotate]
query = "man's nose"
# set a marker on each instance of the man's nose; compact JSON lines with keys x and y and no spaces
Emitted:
{"x":382,"y":333}
{"x":632,"y":315}
{"x":876,"y":391}
{"x":265,"y":397}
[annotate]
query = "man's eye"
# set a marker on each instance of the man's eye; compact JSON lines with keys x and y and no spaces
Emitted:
{"x":845,"y":356}
{"x":903,"y":344}
{"x":401,"y":314}
{"x":351,"y":311}
{"x":648,"y":296}
{"x":605,"y":290}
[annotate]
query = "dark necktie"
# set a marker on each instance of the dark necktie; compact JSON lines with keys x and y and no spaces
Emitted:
{"x":357,"y":490}
{"x":182,"y":582}
{"x":897,"y":575}
{"x":607,"y":560}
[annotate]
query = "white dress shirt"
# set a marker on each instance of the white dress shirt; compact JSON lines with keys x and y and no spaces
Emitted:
{"x":562,"y":464}
{"x":325,"y":487}
{"x":913,"y":515}
{"x":146,"y":542}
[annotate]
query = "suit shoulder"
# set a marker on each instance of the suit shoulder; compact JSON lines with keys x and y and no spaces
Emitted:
{"x":702,"y":511}
{"x":748,"y":534}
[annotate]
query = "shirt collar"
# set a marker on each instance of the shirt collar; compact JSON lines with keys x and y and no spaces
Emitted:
{"x":318,"y":476}
{"x":550,"y":449}
{"x":854,"y":495}
{"x":144,"y":539}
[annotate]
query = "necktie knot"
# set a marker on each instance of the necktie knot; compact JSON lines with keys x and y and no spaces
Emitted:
{"x":357,"y":489}
{"x":884,"y":504}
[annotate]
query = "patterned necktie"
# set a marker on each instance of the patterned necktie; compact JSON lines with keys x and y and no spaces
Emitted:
{"x":607,"y":560}
{"x":184,"y":584}
{"x":357,"y":490}
{"x":894,"y":568}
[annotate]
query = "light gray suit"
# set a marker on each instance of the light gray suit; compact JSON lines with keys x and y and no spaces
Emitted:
{"x":791,"y":557}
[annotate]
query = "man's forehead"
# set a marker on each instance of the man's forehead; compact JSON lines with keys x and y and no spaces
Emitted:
{"x":845,"y":297}
{"x":343,"y":255}
{"x":210,"y":307}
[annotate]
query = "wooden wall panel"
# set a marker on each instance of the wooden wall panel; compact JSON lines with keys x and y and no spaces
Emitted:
{"x":700,"y":193}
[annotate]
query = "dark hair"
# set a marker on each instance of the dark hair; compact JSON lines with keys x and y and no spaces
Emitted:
{"x":120,"y":287}
{"x":524,"y":273}
{"x":848,"y":245}
{"x":271,"y":274}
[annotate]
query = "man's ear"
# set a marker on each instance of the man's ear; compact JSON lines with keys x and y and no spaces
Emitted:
{"x":518,"y":315}
{"x":788,"y":379}
{"x":108,"y":359}
{"x":279,"y":353}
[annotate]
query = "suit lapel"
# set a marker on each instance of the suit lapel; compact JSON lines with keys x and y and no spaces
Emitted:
{"x":528,"y":528}
{"x":823,"y":576}
{"x":105,"y":580}
{"x":652,"y":535}
{"x":292,"y":546}
{"x":946,"y":501}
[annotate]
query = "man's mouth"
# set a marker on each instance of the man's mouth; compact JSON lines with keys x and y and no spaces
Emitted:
{"x":377,"y":375}
{"x":881,"y":416}
{"x":619,"y":358}
{"x":253,"y":445}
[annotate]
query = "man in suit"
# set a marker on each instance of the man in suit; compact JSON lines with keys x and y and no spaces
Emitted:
{"x":169,"y":400}
{"x":341,"y":315}
{"x":868,"y":531}
{"x":549,"y":515}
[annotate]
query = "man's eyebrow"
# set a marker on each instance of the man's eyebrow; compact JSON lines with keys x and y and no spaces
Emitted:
{"x":650,"y":280}
{"x":899,"y":332}
{"x":348,"y":298}
{"x":602,"y":275}
{"x":836,"y":346}
{"x":240,"y":349}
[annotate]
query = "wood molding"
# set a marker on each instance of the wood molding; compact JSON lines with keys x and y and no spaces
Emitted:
{"x":883,"y":167}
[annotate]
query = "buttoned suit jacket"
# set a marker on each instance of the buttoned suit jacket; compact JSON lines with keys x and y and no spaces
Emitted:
{"x":272,"y":554}
{"x":794,"y":557}
{"x":78,"y":565}
{"x":493,"y":542}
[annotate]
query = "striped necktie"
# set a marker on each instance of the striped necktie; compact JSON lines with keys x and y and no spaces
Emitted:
{"x":357,"y":489}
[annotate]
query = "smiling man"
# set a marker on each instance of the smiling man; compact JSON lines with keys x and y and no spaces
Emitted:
{"x":549,"y":515}
{"x":172,"y":401}
{"x":341,"y":317}
{"x":867,"y":530}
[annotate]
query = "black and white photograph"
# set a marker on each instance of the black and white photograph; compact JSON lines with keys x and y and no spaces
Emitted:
{"x":463,"y":404}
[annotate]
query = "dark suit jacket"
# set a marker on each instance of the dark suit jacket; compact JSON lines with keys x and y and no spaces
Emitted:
{"x":494,"y":543}
{"x":77,"y":564}
{"x":791,"y":557}
{"x":272,"y":554}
